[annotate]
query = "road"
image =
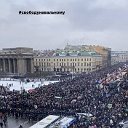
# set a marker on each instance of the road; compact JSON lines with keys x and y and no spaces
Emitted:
{"x":14,"y":123}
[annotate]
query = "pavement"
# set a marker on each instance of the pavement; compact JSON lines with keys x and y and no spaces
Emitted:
{"x":15,"y":123}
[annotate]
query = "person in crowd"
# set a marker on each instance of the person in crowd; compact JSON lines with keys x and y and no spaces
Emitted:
{"x":20,"y":126}
{"x":5,"y":119}
{"x":1,"y":122}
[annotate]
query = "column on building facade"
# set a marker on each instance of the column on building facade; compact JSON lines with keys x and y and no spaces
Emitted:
{"x":32,"y":65}
{"x":9,"y":65}
{"x":1,"y":65}
{"x":14,"y":66}
{"x":24,"y":67}
{"x":4,"y":69}
{"x":28,"y":65}
{"x":6,"y":65}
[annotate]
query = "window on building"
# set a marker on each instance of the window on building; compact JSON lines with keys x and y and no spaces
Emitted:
{"x":81,"y":59}
{"x":81,"y":64}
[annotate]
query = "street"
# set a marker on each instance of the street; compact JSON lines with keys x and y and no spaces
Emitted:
{"x":15,"y":123}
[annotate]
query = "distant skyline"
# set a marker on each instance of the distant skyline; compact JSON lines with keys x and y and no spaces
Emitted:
{"x":85,"y":22}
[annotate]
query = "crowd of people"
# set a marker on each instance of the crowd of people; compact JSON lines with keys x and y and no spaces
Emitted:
{"x":103,"y":93}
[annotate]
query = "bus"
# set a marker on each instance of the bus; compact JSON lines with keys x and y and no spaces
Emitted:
{"x":64,"y":122}
{"x":46,"y":122}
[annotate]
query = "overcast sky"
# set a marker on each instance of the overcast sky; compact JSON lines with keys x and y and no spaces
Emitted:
{"x":99,"y":22}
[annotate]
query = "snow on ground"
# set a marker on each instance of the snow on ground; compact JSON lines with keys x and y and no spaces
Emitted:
{"x":18,"y":85}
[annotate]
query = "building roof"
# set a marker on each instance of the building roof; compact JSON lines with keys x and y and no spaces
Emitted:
{"x":75,"y":53}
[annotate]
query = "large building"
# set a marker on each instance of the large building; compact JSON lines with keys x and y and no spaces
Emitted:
{"x":103,"y":51}
{"x":72,"y":61}
{"x":119,"y":56}
{"x":16,"y":60}
{"x":73,"y":58}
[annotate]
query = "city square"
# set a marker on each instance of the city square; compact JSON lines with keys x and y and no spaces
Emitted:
{"x":70,"y":97}
{"x":64,"y":64}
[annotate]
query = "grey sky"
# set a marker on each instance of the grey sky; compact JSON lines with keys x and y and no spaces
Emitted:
{"x":100,"y":22}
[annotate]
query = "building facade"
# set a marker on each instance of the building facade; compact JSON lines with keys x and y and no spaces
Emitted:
{"x":16,"y":60}
{"x":119,"y":56}
{"x":114,"y":59}
{"x":63,"y":61}
{"x":103,"y":51}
